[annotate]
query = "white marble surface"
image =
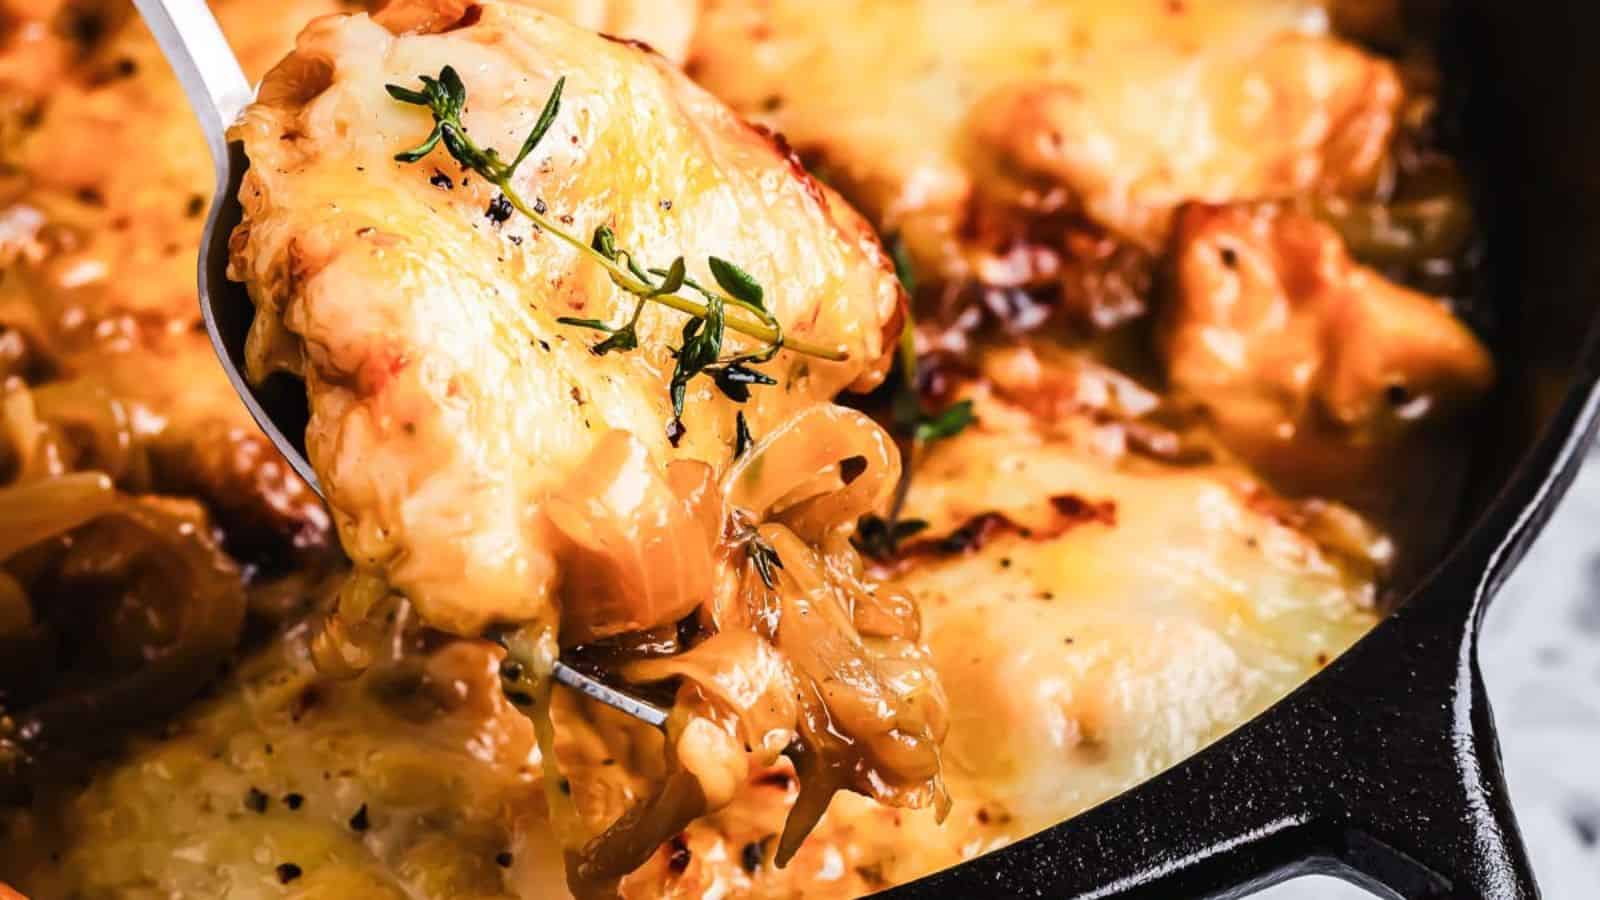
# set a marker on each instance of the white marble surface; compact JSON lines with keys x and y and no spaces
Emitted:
{"x":1541,"y":660}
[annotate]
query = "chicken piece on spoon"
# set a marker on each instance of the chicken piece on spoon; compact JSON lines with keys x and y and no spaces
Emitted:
{"x":569,"y":330}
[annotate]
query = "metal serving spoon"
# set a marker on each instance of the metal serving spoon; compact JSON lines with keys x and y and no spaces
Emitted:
{"x":218,"y":91}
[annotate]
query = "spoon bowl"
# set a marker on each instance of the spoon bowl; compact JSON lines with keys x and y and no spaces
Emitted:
{"x":218,"y":91}
{"x":277,"y":404}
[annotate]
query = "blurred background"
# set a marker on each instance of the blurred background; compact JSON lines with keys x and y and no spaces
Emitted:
{"x":1541,"y":659}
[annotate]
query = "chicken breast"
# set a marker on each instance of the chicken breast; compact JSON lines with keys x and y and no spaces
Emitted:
{"x":1044,"y":146}
{"x":447,"y":400}
{"x":1312,"y":366}
{"x":1098,"y":617}
{"x":666,"y":25}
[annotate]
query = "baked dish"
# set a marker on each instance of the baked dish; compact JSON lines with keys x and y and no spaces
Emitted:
{"x":953,"y":414}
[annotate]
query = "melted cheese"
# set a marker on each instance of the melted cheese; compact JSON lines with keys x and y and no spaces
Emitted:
{"x":447,"y":401}
{"x":924,"y":112}
{"x":1081,"y":664}
{"x":406,"y":783}
{"x":665,"y":26}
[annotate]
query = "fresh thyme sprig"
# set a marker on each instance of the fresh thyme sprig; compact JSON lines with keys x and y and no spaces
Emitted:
{"x":737,"y":302}
{"x":910,"y":417}
{"x":879,"y":537}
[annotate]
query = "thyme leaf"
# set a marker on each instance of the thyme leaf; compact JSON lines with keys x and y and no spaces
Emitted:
{"x":901,"y":257}
{"x":879,"y":537}
{"x":547,"y":117}
{"x":737,"y":282}
{"x":765,"y":559}
{"x":949,"y":422}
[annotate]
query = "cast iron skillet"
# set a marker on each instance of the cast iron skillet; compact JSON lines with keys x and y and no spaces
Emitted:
{"x":1384,"y":769}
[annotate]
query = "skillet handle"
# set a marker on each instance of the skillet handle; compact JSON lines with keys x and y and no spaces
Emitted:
{"x":1440,"y":823}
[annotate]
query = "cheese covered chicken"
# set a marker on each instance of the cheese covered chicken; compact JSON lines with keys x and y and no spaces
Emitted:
{"x":546,"y":399}
{"x":448,"y":400}
{"x":1311,"y":365}
{"x":1042,"y":148}
{"x":605,"y":369}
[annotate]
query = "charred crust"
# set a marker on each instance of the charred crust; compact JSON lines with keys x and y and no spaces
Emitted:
{"x":470,"y":16}
{"x":1069,"y":511}
{"x":633,"y":43}
{"x":797,"y":166}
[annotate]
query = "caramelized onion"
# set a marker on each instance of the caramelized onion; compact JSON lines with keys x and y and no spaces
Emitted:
{"x":175,"y":610}
{"x":746,"y":676}
{"x":37,"y":511}
{"x":735,"y":711}
{"x":88,"y":409}
{"x":869,"y":722}
{"x":23,"y":432}
{"x":787,"y":662}
{"x":16,"y":613}
{"x":347,"y":642}
{"x":142,"y":583}
{"x":799,"y":473}
{"x":638,"y":553}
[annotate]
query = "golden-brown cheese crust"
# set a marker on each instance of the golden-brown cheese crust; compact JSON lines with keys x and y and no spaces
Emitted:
{"x":1299,"y":114}
{"x":1311,"y":365}
{"x":972,"y":129}
{"x":666,"y":25}
{"x":1131,"y":613}
{"x":663,"y":25}
{"x":40,"y":41}
{"x":135,"y":195}
{"x":446,"y":399}
{"x":408,"y":782}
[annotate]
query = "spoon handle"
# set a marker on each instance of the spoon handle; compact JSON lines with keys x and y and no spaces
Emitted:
{"x":205,"y":65}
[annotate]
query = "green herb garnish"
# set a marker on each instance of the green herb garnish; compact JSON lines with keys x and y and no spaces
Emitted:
{"x":902,"y":265}
{"x":737,"y":302}
{"x":879,"y":537}
{"x":948,"y":422}
{"x":910,"y":417}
